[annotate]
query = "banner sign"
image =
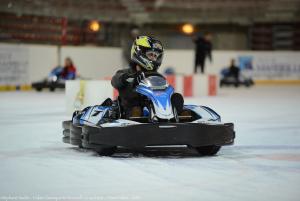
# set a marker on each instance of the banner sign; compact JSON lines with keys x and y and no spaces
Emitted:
{"x":271,"y":66}
{"x":14,"y":65}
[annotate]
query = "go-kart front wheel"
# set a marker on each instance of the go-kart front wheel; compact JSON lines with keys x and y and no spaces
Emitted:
{"x":52,"y":89}
{"x":106,"y":151}
{"x":208,"y":150}
{"x":39,"y":89}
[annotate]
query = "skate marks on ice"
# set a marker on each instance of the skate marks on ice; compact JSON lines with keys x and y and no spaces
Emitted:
{"x":268,"y":152}
{"x":161,"y":152}
{"x":51,"y":151}
{"x":266,"y":158}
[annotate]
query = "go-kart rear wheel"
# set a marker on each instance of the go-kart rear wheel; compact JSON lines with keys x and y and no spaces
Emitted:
{"x":208,"y":150}
{"x":52,"y":89}
{"x":39,"y":89}
{"x":221,"y":83}
{"x":106,"y":151}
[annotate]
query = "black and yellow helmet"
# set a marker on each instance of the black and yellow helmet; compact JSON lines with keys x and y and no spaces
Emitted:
{"x":147,"y":52}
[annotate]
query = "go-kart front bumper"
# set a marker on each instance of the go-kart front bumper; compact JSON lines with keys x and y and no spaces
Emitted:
{"x":142,"y":135}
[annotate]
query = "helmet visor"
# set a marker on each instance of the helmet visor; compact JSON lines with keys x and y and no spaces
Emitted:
{"x":152,"y":55}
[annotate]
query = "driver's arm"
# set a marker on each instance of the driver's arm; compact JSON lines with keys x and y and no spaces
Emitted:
{"x":118,"y":80}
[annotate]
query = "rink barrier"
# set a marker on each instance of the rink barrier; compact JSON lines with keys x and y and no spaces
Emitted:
{"x":198,"y":85}
{"x":190,"y":85}
{"x":277,"y":82}
{"x":83,"y":93}
{"x":182,"y":84}
{"x":15,"y":87}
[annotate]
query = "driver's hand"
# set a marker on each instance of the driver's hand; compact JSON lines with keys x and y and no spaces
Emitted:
{"x":139,"y":75}
{"x":134,"y":78}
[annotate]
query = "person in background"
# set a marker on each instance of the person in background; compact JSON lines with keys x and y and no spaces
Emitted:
{"x":69,"y":70}
{"x":234,"y":70}
{"x":203,"y":50}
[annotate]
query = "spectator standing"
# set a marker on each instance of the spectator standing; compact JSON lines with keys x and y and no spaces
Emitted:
{"x":203,"y":50}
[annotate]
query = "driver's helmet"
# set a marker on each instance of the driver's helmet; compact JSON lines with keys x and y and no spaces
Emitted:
{"x":147,"y":52}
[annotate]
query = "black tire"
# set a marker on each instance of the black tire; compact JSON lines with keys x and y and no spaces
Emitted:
{"x":66,"y":124}
{"x":39,"y":89}
{"x":85,"y":142}
{"x":76,"y":135}
{"x":105,"y":151}
{"x":52,"y":89}
{"x":221,"y":83}
{"x":76,"y":142}
{"x":75,"y":132}
{"x":86,"y":145}
{"x":66,"y":133}
{"x":208,"y":150}
{"x":66,"y":139}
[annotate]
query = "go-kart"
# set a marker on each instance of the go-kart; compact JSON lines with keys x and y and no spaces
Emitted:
{"x":160,"y":124}
{"x":228,"y":79}
{"x":53,"y":81}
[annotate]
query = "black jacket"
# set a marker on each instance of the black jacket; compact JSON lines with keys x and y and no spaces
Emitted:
{"x":203,"y":48}
{"x":127,"y":94}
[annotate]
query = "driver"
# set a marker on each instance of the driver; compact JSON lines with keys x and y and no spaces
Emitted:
{"x":146,"y":56}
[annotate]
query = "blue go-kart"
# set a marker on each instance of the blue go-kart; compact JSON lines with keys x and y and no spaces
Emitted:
{"x":160,"y":124}
{"x":228,"y":79}
{"x":54,"y":80}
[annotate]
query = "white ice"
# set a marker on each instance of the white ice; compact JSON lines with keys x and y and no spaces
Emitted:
{"x":264,"y":163}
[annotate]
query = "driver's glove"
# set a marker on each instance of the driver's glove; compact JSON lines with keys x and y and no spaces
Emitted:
{"x":134,"y":78}
{"x":139,"y":76}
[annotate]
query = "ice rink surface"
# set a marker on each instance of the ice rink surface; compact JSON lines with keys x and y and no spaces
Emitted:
{"x":264,"y":163}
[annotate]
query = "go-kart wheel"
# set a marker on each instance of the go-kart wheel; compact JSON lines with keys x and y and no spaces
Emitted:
{"x":75,"y":131}
{"x":76,"y":135}
{"x":66,"y":125}
{"x":66,"y":139}
{"x":221,"y":83}
{"x":39,"y":89}
{"x":52,"y":89}
{"x":86,"y":145}
{"x":248,"y":83}
{"x":76,"y":142}
{"x":66,"y":132}
{"x":208,"y":150}
{"x":106,"y":151}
